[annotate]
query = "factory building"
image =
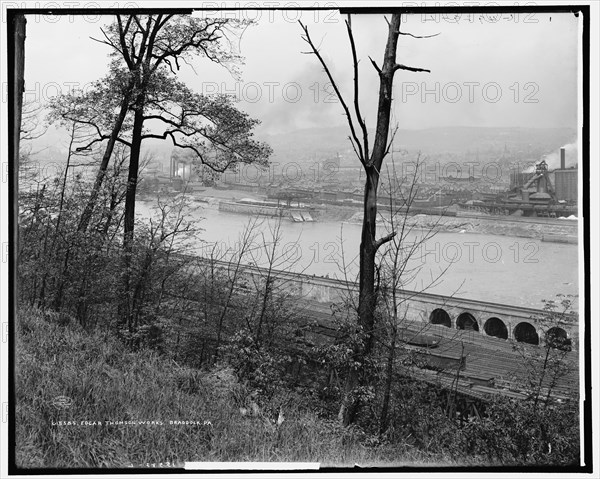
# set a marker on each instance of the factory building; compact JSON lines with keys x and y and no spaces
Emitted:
{"x":565,"y":181}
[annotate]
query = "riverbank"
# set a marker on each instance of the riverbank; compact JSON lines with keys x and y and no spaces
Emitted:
{"x":544,"y":229}
{"x":563,"y":231}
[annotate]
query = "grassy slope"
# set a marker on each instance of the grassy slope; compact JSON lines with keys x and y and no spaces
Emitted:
{"x":107,"y":382}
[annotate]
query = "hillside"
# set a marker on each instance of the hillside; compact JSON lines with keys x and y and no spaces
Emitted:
{"x":84,"y":400}
{"x":519,"y":142}
{"x":319,"y":143}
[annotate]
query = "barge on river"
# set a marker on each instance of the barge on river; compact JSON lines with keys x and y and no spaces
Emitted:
{"x":249,"y":206}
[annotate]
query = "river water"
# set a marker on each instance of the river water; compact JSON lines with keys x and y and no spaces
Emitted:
{"x":503,"y":269}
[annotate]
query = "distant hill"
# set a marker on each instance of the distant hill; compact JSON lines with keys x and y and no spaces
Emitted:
{"x":321,"y":142}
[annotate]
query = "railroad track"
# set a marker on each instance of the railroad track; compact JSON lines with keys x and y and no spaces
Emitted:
{"x":490,"y":366}
{"x":488,"y":359}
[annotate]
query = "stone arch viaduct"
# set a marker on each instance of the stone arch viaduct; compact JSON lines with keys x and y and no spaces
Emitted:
{"x":502,"y":321}
{"x":490,"y":319}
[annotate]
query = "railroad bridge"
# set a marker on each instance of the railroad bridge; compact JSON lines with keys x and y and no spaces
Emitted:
{"x":490,"y":319}
{"x":478,"y":317}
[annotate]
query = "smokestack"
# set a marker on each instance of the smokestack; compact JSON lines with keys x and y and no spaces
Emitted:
{"x":562,"y":158}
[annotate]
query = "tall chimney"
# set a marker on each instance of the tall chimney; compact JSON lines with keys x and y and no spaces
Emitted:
{"x":562,"y":158}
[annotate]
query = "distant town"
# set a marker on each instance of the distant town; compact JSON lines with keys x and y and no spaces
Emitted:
{"x":529,"y":189}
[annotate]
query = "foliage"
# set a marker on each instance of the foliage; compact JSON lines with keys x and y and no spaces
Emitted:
{"x":264,"y":369}
{"x":102,"y":380}
{"x":147,"y":333}
{"x":196,"y":320}
{"x":545,"y":367}
{"x":517,"y":432}
{"x":210,"y":127}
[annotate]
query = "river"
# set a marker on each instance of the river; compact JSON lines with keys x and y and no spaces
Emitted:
{"x":503,"y":269}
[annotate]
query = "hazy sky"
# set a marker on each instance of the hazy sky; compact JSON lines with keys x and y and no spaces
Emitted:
{"x":485,"y":71}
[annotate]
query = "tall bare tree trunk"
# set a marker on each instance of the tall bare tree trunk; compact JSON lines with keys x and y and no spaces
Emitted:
{"x":17,"y":72}
{"x":89,"y":207}
{"x":369,"y":244}
{"x":18,"y":23}
{"x":371,"y":163}
{"x":129,"y":220}
{"x":134,"y":165}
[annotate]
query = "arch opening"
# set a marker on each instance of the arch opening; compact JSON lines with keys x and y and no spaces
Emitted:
{"x":439,"y":316}
{"x":526,"y":333}
{"x":496,"y":327}
{"x":467,"y":322}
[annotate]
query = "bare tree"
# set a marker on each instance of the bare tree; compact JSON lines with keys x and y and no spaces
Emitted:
{"x":547,"y":369}
{"x":270,"y":256}
{"x":234,"y":271}
{"x":17,"y":28}
{"x":371,"y":161}
{"x":398,"y":268}
{"x":17,"y":31}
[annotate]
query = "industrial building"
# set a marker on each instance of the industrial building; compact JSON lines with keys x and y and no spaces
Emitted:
{"x":565,"y":181}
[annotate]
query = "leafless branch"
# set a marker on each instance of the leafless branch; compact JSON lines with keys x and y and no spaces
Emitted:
{"x":391,"y":140}
{"x":375,"y":65}
{"x":381,"y":241}
{"x":363,"y":159}
{"x":122,"y":35}
{"x":399,"y":66}
{"x":353,"y":146}
{"x":359,"y":117}
{"x":100,"y":139}
{"x":418,"y":36}
{"x":107,"y":41}
{"x":194,"y":149}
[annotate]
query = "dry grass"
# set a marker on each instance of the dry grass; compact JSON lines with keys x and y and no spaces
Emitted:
{"x":105,"y":381}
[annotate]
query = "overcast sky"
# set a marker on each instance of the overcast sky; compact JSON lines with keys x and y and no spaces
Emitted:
{"x":485,"y":71}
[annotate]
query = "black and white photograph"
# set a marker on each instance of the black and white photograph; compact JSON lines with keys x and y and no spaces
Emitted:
{"x":316,"y":237}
